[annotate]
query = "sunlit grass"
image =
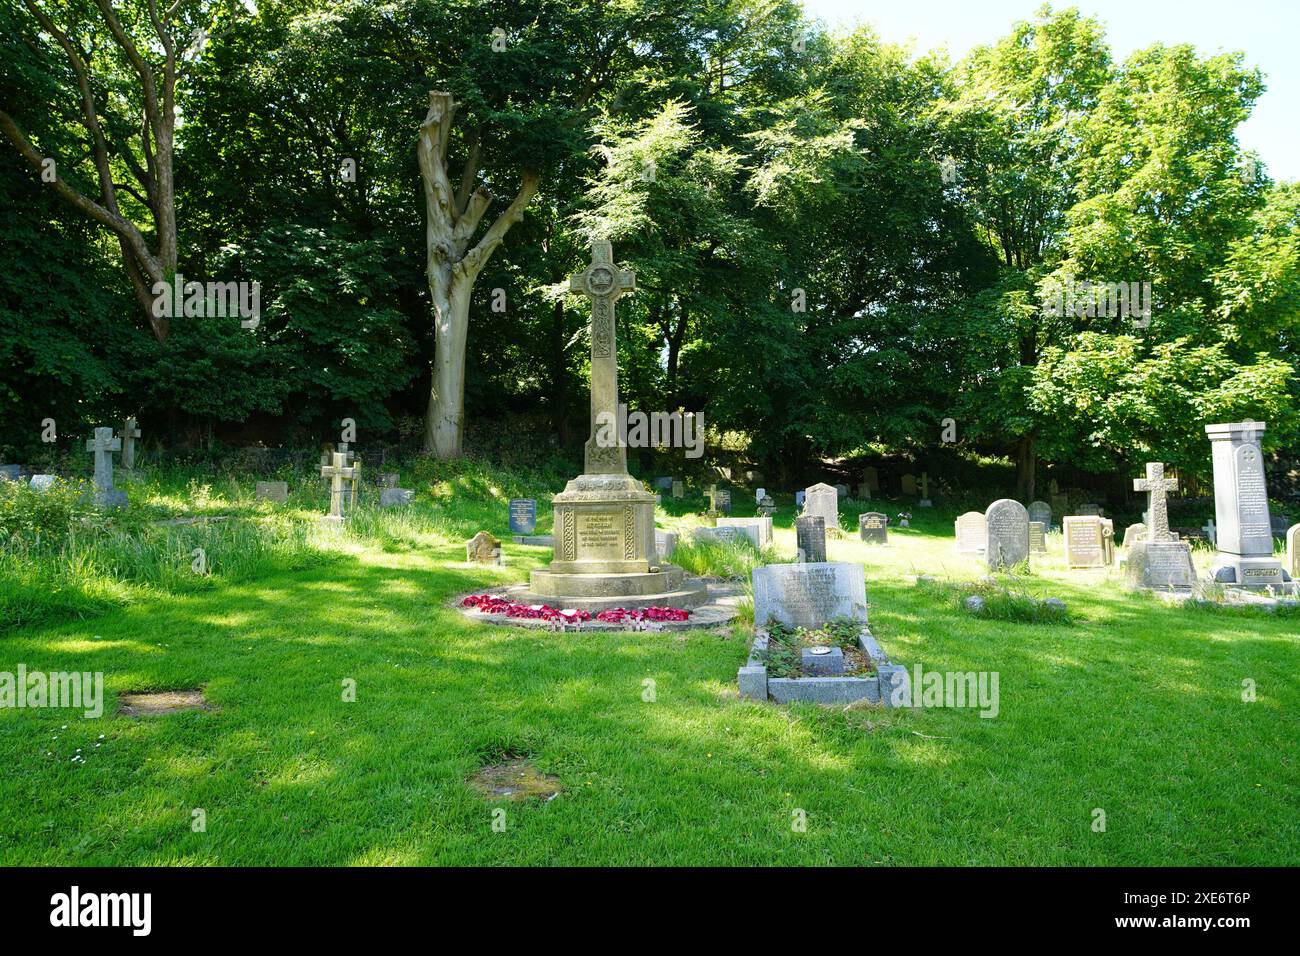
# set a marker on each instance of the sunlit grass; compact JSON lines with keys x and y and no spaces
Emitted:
{"x":1133,"y":707}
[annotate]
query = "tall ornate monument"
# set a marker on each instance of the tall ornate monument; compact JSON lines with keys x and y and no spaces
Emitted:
{"x":604,"y":520}
{"x":1244,"y":537}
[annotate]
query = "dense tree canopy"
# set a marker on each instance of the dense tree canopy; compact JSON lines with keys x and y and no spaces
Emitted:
{"x":839,"y":244}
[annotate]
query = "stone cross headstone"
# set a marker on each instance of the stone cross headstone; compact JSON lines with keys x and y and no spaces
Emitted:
{"x":1244,"y":554}
{"x":1037,"y":537}
{"x":1157,"y":487}
{"x":603,"y":283}
{"x":824,"y":501}
{"x":810,"y":538}
{"x":924,"y":488}
{"x":1008,"y":541}
{"x":1158,"y":559}
{"x":523,"y":515}
{"x":1040,"y":511}
{"x":1211,"y":532}
{"x":103,"y":445}
{"x":873,"y":527}
{"x":972,"y":530}
{"x":808,"y":595}
{"x":130,"y":432}
{"x":337,"y":473}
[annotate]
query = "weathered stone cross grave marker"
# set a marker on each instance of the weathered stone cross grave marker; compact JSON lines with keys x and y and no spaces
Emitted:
{"x":103,"y":445}
{"x":130,"y":432}
{"x":1157,"y":486}
{"x":337,"y":473}
{"x":603,"y":282}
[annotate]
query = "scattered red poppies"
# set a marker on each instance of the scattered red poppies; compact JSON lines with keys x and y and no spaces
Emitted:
{"x":492,"y":604}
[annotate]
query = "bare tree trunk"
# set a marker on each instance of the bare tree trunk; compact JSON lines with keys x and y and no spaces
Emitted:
{"x":452,"y":265}
{"x":1026,"y":461}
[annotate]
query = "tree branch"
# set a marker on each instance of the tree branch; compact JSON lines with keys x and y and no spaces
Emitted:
{"x":477,"y":257}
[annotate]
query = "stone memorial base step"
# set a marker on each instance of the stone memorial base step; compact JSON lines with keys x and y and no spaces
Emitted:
{"x":667,"y":587}
{"x":1248,"y":572}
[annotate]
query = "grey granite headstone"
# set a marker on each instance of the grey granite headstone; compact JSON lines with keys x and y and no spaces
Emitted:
{"x":523,"y":515}
{"x":273,"y":490}
{"x":1008,"y":542}
{"x":758,"y":529}
{"x":972,"y":530}
{"x":664,"y":483}
{"x":873,"y":527}
{"x":810,"y":537}
{"x":42,"y":482}
{"x":1134,"y":533}
{"x":823,"y":501}
{"x":1245,"y":531}
{"x":395,"y":497}
{"x":809,"y":594}
{"x":665,"y":544}
{"x":821,"y":661}
{"x":1037,"y":537}
{"x":720,"y":535}
{"x":766,"y":506}
{"x":1040,"y":511}
{"x":799,"y":497}
{"x":841,"y":490}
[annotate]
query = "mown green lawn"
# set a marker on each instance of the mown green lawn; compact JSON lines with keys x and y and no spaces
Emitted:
{"x":1135,"y":708}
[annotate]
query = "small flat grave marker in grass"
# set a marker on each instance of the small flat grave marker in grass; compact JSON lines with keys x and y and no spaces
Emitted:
{"x":515,"y":780}
{"x":162,"y":702}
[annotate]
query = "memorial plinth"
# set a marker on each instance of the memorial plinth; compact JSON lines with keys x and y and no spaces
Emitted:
{"x":604,"y":519}
{"x":1244,"y":538}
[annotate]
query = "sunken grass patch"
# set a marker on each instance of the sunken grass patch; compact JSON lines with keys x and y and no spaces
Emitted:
{"x":1134,"y":707}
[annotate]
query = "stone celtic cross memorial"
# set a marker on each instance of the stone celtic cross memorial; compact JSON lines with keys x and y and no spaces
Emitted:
{"x":1244,"y":530}
{"x":1158,"y":559}
{"x":605,"y":552}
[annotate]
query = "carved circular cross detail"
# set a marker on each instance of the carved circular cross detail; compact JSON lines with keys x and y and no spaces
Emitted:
{"x":601,"y":280}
